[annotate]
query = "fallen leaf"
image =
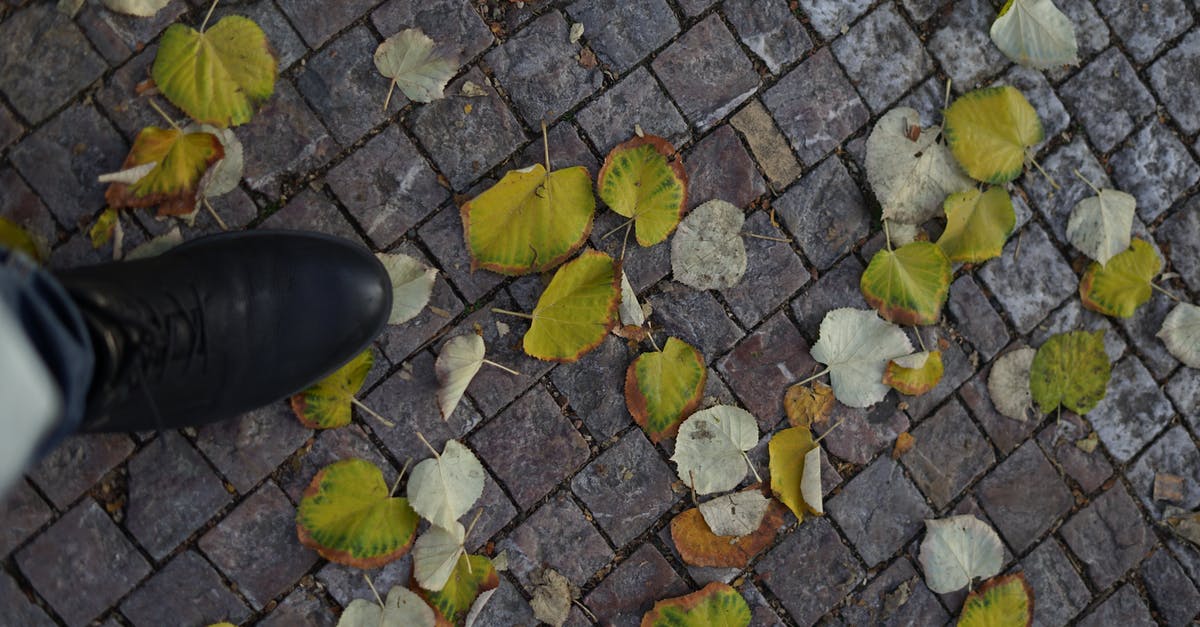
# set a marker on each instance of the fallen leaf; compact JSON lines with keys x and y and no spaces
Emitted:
{"x":630,"y":311}
{"x":1001,"y":602}
{"x":699,"y":546}
{"x":1100,"y":226}
{"x":1070,"y":369}
{"x":710,"y":448}
{"x":908,"y":285}
{"x":914,"y":374}
{"x":1180,"y":333}
{"x":1168,"y":487}
{"x":552,"y":596}
{"x":14,"y":237}
{"x":473,"y":90}
{"x":436,"y":555}
{"x":910,"y":176}
{"x":403,"y":608}
{"x":1185,"y":524}
{"x":795,"y":462}
{"x":957,"y":550}
{"x":473,"y":576}
{"x":715,"y":605}
{"x":1088,"y":445}
{"x":460,"y":359}
{"x":173,"y":184}
{"x":977,"y":225}
{"x":577,"y":309}
{"x":326,"y":404}
{"x":708,"y":252}
{"x":104,"y":227}
{"x":856,"y":345}
{"x":575,"y":33}
{"x":443,"y":488}
{"x":663,"y":388}
{"x":224,"y":175}
{"x":643,"y":179}
{"x":1034,"y":33}
{"x":1120,"y":286}
{"x":1008,"y":384}
{"x":411,"y":60}
{"x":992,"y":132}
{"x":807,"y":405}
{"x":737,"y":514}
{"x":128,"y":176}
{"x":156,"y":245}
{"x":138,"y":8}
{"x":412,"y":285}
{"x":904,"y":443}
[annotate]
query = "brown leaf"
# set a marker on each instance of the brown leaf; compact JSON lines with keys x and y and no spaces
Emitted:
{"x":587,"y":58}
{"x":1168,"y":487}
{"x":807,"y":405}
{"x":699,"y":546}
{"x":904,"y":443}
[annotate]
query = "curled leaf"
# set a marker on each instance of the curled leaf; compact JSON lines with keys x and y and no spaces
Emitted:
{"x":910,"y":176}
{"x":460,"y":360}
{"x":173,"y":184}
{"x":412,"y":285}
{"x":914,"y":374}
{"x":1180,"y":332}
{"x":1008,"y":384}
{"x":796,"y":471}
{"x":856,"y":345}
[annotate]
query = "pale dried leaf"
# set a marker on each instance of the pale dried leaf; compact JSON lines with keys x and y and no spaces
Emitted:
{"x":156,"y":246}
{"x":710,"y":448}
{"x":1181,"y":333}
{"x":128,"y":176}
{"x":1101,"y":226}
{"x":707,"y":251}
{"x":736,"y":514}
{"x":457,"y":364}
{"x":412,"y":285}
{"x":630,"y":311}
{"x":224,"y":175}
{"x":856,"y":345}
{"x":1034,"y":33}
{"x":443,"y":488}
{"x":911,"y":178}
{"x":409,"y":58}
{"x":138,"y":8}
{"x":435,"y":555}
{"x":810,"y":481}
{"x":958,"y":549}
{"x":552,"y":595}
{"x":1008,"y":384}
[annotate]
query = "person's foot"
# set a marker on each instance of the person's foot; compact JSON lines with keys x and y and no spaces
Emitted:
{"x":224,"y":324}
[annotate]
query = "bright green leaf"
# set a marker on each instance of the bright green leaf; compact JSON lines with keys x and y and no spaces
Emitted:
{"x":577,"y":310}
{"x":326,"y":404}
{"x":908,"y":285}
{"x":991,"y":132}
{"x":173,"y":184}
{"x":914,"y":374}
{"x":219,"y":76}
{"x":1070,"y":369}
{"x":472,"y":576}
{"x":1001,"y":602}
{"x":663,"y":388}
{"x":644,"y":179}
{"x":1034,"y":33}
{"x":795,"y":463}
{"x":1122,"y":285}
{"x":716,"y":605}
{"x":348,"y":517}
{"x":977,"y":225}
{"x":529,"y":222}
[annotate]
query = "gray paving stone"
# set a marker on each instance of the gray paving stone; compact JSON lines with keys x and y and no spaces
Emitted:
{"x":863,"y":432}
{"x":975,"y":318}
{"x":706,"y":73}
{"x":1108,"y":536}
{"x":1058,"y":438}
{"x":815,"y":106}
{"x":45,"y":61}
{"x":773,"y":273}
{"x":1003,"y":431}
{"x":767,"y":144}
{"x":1173,"y":594}
{"x":516,"y":442}
{"x":1133,"y":412}
{"x":1024,"y":496}
{"x":832,"y":17}
{"x":62,"y":159}
{"x":444,"y":126}
{"x":761,"y":612}
{"x":506,"y":607}
{"x":10,"y":128}
{"x":497,"y":512}
{"x":949,"y":454}
{"x":346,"y":583}
{"x":770,"y":30}
{"x":1142,"y":329}
{"x":1073,"y":317}
{"x":328,"y":447}
{"x":626,"y":488}
{"x":82,"y":564}
{"x":1184,"y":390}
{"x":284,"y":140}
{"x":301,"y":607}
{"x":879,"y":510}
{"x":557,"y":535}
{"x":764,"y":364}
{"x":884,"y":35}
{"x":1156,"y":168}
{"x":443,"y":234}
{"x":1145,"y":29}
{"x":694,"y":7}
{"x":118,"y":97}
{"x":567,"y":149}
{"x":836,"y":288}
{"x":1030,"y":286}
{"x":1058,"y":591}
{"x":719,"y":167}
{"x":1174,"y":84}
{"x":826,"y":213}
{"x":921,"y":10}
{"x":1056,"y":204}
{"x":317,"y":23}
{"x":541,"y":72}
{"x":958,"y":369}
{"x":807,"y":592}
{"x":696,"y":318}
{"x":19,"y":205}
{"x":928,"y":99}
{"x":22,"y":512}
{"x":453,"y":24}
{"x":117,"y":36}
{"x":883,"y":603}
{"x":624,"y":33}
{"x":1123,"y":608}
{"x":256,"y":546}
{"x":185,"y":591}
{"x":1107,"y":98}
{"x":595,"y":388}
{"x":172,"y":492}
{"x":643,"y":266}
{"x":963,"y":46}
{"x":636,"y":100}
{"x":77,"y":463}
{"x":1091,"y":33}
{"x":247,"y":449}
{"x":400,"y":341}
{"x":409,"y":399}
{"x":1173,"y":454}
{"x":631,"y":589}
{"x":1180,"y":234}
{"x":492,"y":389}
{"x":18,"y":607}
{"x":285,"y":41}
{"x":345,"y":89}
{"x":311,"y":211}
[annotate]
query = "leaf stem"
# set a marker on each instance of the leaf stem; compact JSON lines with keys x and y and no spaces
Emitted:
{"x":154,"y":105}
{"x":388,"y":99}
{"x":512,"y":313}
{"x":830,"y":430}
{"x":754,"y":470}
{"x":216,"y":216}
{"x":625,"y":240}
{"x":204,"y":25}
{"x":692,"y":476}
{"x":814,"y":377}
{"x":617,"y":228}
{"x":887,"y":233}
{"x":428,"y":445}
{"x":946,"y":98}
{"x":1085,"y":180}
{"x":1053,"y":183}
{"x":768,"y":238}
{"x":650,"y":336}
{"x":920,"y":340}
{"x":546,"y":147}
{"x":502,"y":367}
{"x":1168,"y":294}
{"x":583,"y":608}
{"x":371,"y":585}
{"x":372,"y":413}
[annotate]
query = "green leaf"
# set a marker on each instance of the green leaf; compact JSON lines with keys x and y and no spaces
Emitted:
{"x":577,"y":310}
{"x":977,"y":225}
{"x":529,"y":222}
{"x":991,"y":132}
{"x":1122,"y":285}
{"x":173,"y":183}
{"x":644,"y":179}
{"x":472,"y":576}
{"x":219,"y":76}
{"x":716,"y":605}
{"x":908,"y":285}
{"x":663,"y":388}
{"x":914,"y":374}
{"x":348,"y":517}
{"x":14,"y":237}
{"x":795,"y":463}
{"x":104,"y":227}
{"x":1070,"y":369}
{"x":1000,"y":602}
{"x":326,"y":405}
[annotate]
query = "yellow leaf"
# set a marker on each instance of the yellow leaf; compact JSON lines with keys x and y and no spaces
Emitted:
{"x":796,"y":471}
{"x":180,"y":159}
{"x":807,"y":405}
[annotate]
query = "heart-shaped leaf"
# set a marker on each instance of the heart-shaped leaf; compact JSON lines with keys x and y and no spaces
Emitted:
{"x":957,"y":550}
{"x":715,"y":605}
{"x":410,"y":59}
{"x":708,"y":252}
{"x":1070,"y":369}
{"x":443,"y":488}
{"x":217,"y":76}
{"x":412,"y":285}
{"x":710,"y":450}
{"x":977,"y":225}
{"x":1120,"y":286}
{"x":699,"y":546}
{"x":1008,"y":384}
{"x":529,"y":221}
{"x":1000,"y":602}
{"x":991,"y":132}
{"x":1100,"y":226}
{"x":663,"y":388}
{"x":436,"y":555}
{"x":460,"y":360}
{"x":173,"y":184}
{"x":577,"y":309}
{"x":473,"y":576}
{"x":643,"y":179}
{"x":914,"y":374}
{"x":137,"y":8}
{"x":735,"y":515}
{"x":909,"y":170}
{"x":403,"y":608}
{"x":796,"y":471}
{"x":856,"y":345}
{"x":348,"y":517}
{"x":326,"y":405}
{"x":1181,"y":333}
{"x":1034,"y":33}
{"x":908,"y":285}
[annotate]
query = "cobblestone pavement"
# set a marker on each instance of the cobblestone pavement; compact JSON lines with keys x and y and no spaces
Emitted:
{"x":770,"y":104}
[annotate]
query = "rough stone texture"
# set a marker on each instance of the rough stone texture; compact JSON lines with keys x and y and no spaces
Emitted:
{"x":706,"y":72}
{"x":1107,"y":98}
{"x":247,"y":449}
{"x":1146,"y":29}
{"x":45,"y":61}
{"x":301,"y":607}
{"x":1184,"y":390}
{"x":767,"y":144}
{"x":773,"y":272}
{"x":816,"y":106}
{"x":399,"y":342}
{"x":770,"y":30}
{"x":311,"y":211}
{"x":975,"y":318}
{"x":1108,"y":536}
{"x":883,"y":35}
{"x":826,"y":213}
{"x":762,"y":366}
{"x":454,"y":24}
{"x":1156,"y":168}
{"x":595,"y":388}
{"x":529,"y":431}
{"x":540,"y":69}
{"x":330,"y":446}
{"x":1173,"y":83}
{"x":1056,"y":204}
{"x":1123,"y":608}
{"x":10,"y":128}
{"x":1142,"y":328}
{"x":623,"y":33}
{"x":444,"y":235}
{"x":863,"y":432}
{"x":19,"y":205}
{"x":836,"y":288}
{"x":82,"y":564}
{"x":344,"y":87}
{"x":632,"y":588}
{"x":808,"y":592}
{"x":77,"y":463}
{"x":626,"y":488}
{"x":963,"y":46}
{"x":830,"y":17}
{"x":317,"y":23}
{"x":879,"y":510}
{"x":870,"y":606}
{"x":1059,"y":592}
{"x":1174,"y":595}
{"x":718,"y":167}
{"x":949,"y":454}
{"x":636,"y":100}
{"x":256,"y":546}
{"x":18,"y":608}
{"x":557,"y":535}
{"x":1004,"y":432}
{"x":1133,"y":411}
{"x":958,"y":369}
{"x":1180,"y":233}
{"x":1058,"y":438}
{"x":1073,"y":317}
{"x":1036,"y":89}
{"x":1030,"y":286}
{"x":193,"y":591}
{"x":1173,"y":454}
{"x":284,"y":138}
{"x":117,"y":36}
{"x":643,"y":266}
{"x":346,"y":583}
{"x":1024,"y":496}
{"x":696,"y":318}
{"x":22,"y":512}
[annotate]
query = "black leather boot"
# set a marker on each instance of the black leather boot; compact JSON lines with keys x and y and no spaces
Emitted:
{"x":224,"y":324}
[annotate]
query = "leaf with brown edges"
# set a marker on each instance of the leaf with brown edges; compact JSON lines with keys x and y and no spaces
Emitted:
{"x":699,"y":546}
